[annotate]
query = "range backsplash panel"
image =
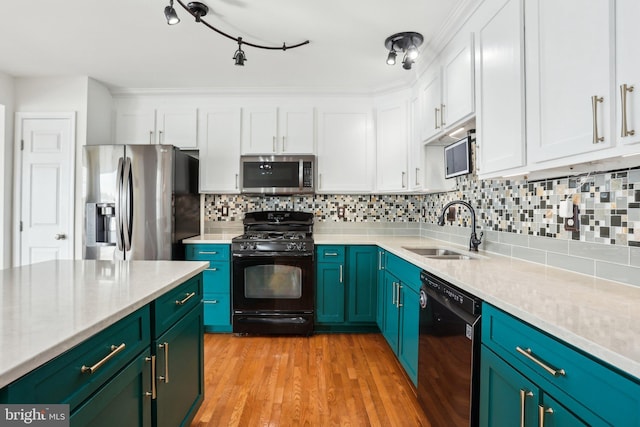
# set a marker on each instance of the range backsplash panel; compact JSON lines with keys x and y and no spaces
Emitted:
{"x":608,"y":203}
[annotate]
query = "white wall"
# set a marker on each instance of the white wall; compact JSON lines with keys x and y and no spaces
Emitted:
{"x":99,"y":114}
{"x":6,"y":165}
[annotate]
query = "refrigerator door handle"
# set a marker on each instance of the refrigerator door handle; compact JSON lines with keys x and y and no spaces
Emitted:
{"x":128,"y":205}
{"x":119,"y":215}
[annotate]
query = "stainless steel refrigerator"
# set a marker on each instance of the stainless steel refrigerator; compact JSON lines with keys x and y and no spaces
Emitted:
{"x":140,"y":201}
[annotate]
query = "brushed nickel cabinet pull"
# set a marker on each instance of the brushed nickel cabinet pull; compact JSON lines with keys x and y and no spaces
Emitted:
{"x":208,"y":253}
{"x":150,"y":137}
{"x":165,"y":347}
{"x":398,"y":299}
{"x":212,"y":269}
{"x":115,"y":349}
{"x":623,"y":100}
{"x":436,"y":118}
{"x":529,"y":355}
{"x":417,"y":176}
{"x":160,"y":137}
{"x":542,"y":411}
{"x":152,"y":394}
{"x":274,"y":144}
{"x":283,"y":150}
{"x":331,"y":254}
{"x":186,"y":298}
{"x":442,"y":123}
{"x":523,"y":396}
{"x":236,"y":180}
{"x":341,"y":281}
{"x":404,"y":174}
{"x":594,"y":106}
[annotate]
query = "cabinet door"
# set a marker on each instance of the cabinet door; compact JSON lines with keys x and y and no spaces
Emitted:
{"x":361,"y":280}
{"x":346,"y":152}
{"x":415,"y":160}
{"x":124,"y":401}
{"x":179,"y":371}
{"x":380,"y":304}
{"x":219,"y":150}
{"x":457,"y":80}
{"x":259,"y":130}
{"x":409,"y":331}
{"x":568,"y":63}
{"x":392,"y":148}
{"x":431,"y":102}
{"x":628,"y":70}
{"x":177,"y":126}
{"x":330,"y":293}
{"x":391,"y":315}
{"x":136,"y":126}
{"x":501,"y":114}
{"x":295,"y":130}
{"x":507,"y":398}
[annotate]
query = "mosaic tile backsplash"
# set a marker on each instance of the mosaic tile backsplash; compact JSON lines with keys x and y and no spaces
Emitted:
{"x":608,"y":205}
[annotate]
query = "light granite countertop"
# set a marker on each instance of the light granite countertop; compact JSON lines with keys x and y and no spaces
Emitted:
{"x":49,"y":307}
{"x":598,"y":316}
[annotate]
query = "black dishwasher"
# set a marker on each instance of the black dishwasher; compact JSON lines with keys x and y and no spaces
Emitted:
{"x":449,"y":353}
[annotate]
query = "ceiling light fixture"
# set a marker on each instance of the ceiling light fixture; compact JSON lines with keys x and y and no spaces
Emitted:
{"x":406,"y":42}
{"x":199,"y":10}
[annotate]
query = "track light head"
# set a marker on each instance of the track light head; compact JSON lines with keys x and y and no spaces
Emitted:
{"x":239,"y":57}
{"x":391,"y":58}
{"x":171,"y":15}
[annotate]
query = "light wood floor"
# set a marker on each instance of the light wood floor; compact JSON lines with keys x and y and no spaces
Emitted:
{"x":322,"y":380}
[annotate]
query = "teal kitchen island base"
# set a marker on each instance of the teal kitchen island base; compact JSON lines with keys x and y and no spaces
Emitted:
{"x":143,"y":369}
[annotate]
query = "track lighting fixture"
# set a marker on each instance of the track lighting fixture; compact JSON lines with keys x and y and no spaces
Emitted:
{"x":198,"y":10}
{"x":407,"y":43}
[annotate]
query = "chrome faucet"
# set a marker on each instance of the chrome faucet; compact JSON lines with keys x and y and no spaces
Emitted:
{"x":474,"y":241}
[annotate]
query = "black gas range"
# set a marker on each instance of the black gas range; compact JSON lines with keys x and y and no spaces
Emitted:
{"x":274,"y":274}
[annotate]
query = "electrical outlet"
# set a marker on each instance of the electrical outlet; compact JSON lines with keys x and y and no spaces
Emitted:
{"x":224,"y":211}
{"x":571,"y":224}
{"x":341,"y":210}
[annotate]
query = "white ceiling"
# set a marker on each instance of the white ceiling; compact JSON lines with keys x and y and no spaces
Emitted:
{"x":128,"y":44}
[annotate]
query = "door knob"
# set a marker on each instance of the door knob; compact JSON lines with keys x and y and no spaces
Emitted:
{"x":60,"y":236}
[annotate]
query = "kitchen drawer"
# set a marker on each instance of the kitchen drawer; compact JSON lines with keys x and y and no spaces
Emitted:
{"x":170,"y":307}
{"x":207,"y":252}
{"x":61,"y":380}
{"x":217,"y":278}
{"x":408,"y":273}
{"x":330,"y":253}
{"x":217,"y":309}
{"x":585,"y":380}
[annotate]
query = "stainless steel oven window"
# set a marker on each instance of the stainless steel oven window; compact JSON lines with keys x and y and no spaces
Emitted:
{"x":274,"y":281}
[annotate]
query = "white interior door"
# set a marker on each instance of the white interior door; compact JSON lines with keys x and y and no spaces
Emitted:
{"x":44,"y":192}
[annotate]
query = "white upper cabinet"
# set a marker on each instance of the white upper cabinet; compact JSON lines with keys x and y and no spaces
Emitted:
{"x":627,"y":127}
{"x":500,"y":76}
{"x":569,"y":77}
{"x":163,"y":125}
{"x":219,"y":150}
{"x":271,"y":130}
{"x":392,"y":145}
{"x":447,"y":90}
{"x":458,"y":103}
{"x":346,"y":151}
{"x":415,"y":161}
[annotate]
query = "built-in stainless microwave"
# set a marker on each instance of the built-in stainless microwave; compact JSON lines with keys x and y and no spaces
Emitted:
{"x":273,"y":174}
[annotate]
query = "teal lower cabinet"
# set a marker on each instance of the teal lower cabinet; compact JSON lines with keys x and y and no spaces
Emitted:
{"x":401,"y":312}
{"x":380,"y":287}
{"x":529,"y":378}
{"x":119,"y":403}
{"x":179,"y":371}
{"x":346,"y":288}
{"x":144,"y":370}
{"x":217,"y":284}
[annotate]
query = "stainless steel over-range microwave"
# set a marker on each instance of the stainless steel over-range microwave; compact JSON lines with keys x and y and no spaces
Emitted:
{"x":277,"y":174}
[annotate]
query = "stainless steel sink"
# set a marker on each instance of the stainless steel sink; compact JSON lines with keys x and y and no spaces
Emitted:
{"x":438,"y":253}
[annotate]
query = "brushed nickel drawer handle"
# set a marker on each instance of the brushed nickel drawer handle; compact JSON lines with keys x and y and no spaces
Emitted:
{"x":115,"y":349}
{"x":529,"y":355}
{"x":152,"y":394}
{"x":541,"y":413}
{"x":208,"y":253}
{"x":212,"y":269}
{"x":187,"y":298}
{"x":331,"y":254}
